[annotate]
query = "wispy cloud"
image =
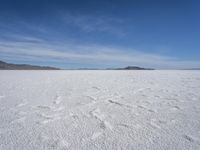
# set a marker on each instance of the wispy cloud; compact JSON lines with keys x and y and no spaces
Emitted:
{"x":107,"y":56}
{"x":90,"y":23}
{"x":21,"y":38}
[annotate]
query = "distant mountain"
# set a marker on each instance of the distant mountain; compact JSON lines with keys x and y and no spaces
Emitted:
{"x":7,"y":66}
{"x":192,"y":69}
{"x":136,"y":68}
{"x":131,"y":68}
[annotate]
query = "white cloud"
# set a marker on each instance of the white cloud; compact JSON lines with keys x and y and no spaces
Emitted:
{"x":88,"y":54}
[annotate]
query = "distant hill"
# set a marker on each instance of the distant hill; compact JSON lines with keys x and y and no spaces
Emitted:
{"x":8,"y":66}
{"x":131,"y":68}
{"x":192,"y":69}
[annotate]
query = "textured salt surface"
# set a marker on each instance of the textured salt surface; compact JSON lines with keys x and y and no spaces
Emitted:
{"x":99,"y":110}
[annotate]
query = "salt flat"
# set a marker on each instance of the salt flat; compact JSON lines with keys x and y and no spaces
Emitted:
{"x":154,"y":110}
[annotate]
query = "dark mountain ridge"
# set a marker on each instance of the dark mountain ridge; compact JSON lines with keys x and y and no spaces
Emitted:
{"x":8,"y":66}
{"x":131,"y":68}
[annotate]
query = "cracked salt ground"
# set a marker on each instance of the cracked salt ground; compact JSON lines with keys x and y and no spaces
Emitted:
{"x":59,"y":110}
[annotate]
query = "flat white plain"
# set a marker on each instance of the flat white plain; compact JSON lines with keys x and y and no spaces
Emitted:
{"x":154,"y":110}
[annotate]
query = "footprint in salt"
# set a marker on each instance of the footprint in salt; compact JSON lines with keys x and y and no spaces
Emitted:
{"x":43,"y":107}
{"x":57,"y":100}
{"x":108,"y":125}
{"x":92,"y":101}
{"x":60,"y":144}
{"x":91,"y":97}
{"x":189,"y":138}
{"x":96,"y":88}
{"x":152,"y":111}
{"x":154,"y":124}
{"x":96,"y":135}
{"x":174,"y":108}
{"x":48,"y":120}
{"x":21,"y":104}
{"x":101,"y":117}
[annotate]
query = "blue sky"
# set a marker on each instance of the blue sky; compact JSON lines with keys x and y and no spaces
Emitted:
{"x":99,"y":34}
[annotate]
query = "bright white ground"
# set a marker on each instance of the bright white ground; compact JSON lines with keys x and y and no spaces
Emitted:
{"x":154,"y":110}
